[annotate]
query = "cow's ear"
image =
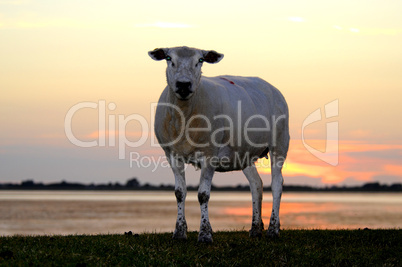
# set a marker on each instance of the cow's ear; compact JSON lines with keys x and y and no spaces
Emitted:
{"x":158,"y":53}
{"x":212,"y":56}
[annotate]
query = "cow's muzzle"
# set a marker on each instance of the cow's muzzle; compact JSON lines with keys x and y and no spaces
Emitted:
{"x":183,"y":89}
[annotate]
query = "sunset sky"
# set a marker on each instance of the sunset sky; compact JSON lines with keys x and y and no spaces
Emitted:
{"x":59,"y":55}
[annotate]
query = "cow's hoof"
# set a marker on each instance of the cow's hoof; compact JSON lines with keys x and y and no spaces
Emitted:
{"x":205,"y":235}
{"x":272,"y":232}
{"x":205,"y":238}
{"x":254,"y":232}
{"x":180,"y":233}
{"x":179,"y":236}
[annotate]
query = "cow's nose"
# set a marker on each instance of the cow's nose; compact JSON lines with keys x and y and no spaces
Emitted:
{"x":183,"y":89}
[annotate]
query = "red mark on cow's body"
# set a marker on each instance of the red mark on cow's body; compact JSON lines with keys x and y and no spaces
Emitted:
{"x":227,"y":80}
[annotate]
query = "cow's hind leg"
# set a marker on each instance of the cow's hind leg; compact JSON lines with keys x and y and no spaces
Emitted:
{"x":256,"y":188}
{"x":277,"y":161}
{"x":180,"y":231}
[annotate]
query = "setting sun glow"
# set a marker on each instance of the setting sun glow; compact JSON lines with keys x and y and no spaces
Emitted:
{"x":55,"y":55}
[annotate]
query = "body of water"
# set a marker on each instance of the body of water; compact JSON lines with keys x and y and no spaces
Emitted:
{"x":100,"y":212}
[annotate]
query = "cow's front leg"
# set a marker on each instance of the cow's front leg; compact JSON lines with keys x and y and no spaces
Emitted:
{"x":180,"y":231}
{"x":204,"y":192}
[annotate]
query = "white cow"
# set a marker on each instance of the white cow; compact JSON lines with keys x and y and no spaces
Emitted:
{"x":222,"y":123}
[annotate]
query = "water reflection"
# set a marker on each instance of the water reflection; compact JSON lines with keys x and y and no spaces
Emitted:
{"x":327,"y":215}
{"x":50,"y":212}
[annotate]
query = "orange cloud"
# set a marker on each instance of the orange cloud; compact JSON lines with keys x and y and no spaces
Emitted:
{"x":393,"y":169}
{"x":362,"y":166}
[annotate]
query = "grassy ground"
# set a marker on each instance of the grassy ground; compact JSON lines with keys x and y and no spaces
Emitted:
{"x":293,"y":247}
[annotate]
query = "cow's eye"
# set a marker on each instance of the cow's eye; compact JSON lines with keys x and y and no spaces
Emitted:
{"x":201,"y":60}
{"x":169,"y":58}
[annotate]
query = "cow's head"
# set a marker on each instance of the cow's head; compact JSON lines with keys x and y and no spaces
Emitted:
{"x":184,"y":67}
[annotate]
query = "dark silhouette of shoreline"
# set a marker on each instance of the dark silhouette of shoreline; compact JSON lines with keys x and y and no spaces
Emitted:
{"x":134,"y":184}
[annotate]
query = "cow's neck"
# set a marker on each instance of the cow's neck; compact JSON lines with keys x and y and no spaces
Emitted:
{"x":188,"y":107}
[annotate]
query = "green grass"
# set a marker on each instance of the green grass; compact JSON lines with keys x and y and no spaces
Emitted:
{"x":293,"y":247}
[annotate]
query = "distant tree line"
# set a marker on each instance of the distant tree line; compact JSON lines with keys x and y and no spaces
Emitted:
{"x":134,"y":184}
